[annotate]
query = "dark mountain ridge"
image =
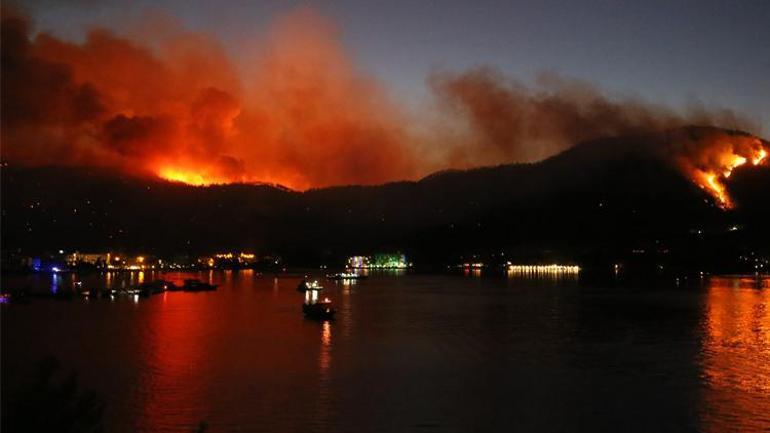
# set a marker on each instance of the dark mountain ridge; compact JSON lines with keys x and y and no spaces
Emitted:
{"x":596,"y":202}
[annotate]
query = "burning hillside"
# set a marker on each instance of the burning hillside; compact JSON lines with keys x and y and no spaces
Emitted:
{"x":708,"y":158}
{"x":610,"y":193}
{"x":173,"y":104}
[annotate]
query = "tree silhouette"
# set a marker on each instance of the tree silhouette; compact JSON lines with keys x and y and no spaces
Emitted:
{"x":47,"y":403}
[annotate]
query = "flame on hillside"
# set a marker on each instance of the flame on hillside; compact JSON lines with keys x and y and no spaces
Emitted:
{"x":185,"y":176}
{"x":714,"y":158}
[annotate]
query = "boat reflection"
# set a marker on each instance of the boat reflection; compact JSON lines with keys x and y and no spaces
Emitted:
{"x":324,"y":403}
{"x":736,"y":355}
{"x":324,"y":359}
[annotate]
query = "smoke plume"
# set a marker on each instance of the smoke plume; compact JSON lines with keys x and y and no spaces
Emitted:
{"x":172,"y":103}
{"x":180,"y":110}
{"x":503,"y":120}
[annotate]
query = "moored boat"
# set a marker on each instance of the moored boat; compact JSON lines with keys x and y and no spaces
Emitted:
{"x":318,"y":309}
{"x":304,"y":286}
{"x":153,"y":287}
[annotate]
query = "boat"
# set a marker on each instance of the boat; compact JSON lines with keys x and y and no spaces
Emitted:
{"x":195,"y":285}
{"x":153,"y":287}
{"x":317,"y":309}
{"x":304,"y":286}
{"x":346,"y":276}
{"x":171,"y":287}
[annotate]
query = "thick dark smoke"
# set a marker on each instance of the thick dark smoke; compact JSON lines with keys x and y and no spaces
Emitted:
{"x":172,"y":103}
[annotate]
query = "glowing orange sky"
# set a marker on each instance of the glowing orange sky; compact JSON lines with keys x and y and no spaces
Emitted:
{"x":171,"y":103}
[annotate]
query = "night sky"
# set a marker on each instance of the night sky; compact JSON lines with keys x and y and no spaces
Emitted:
{"x":669,"y":52}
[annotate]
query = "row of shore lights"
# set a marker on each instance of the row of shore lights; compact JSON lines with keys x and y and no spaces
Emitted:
{"x":543,"y":269}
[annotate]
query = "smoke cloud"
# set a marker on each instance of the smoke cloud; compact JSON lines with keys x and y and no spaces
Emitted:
{"x":172,"y":103}
{"x":179,"y":109}
{"x":503,"y":120}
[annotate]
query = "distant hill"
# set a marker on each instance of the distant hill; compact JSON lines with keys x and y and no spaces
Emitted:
{"x":596,"y":202}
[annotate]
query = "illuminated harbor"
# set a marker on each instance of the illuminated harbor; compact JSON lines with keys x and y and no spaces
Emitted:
{"x":62,"y":261}
{"x":553,"y":269}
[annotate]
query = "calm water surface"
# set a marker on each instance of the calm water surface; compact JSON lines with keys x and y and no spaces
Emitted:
{"x":411,"y":353}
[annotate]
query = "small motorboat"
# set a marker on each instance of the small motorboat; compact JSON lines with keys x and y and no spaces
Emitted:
{"x":304,"y":286}
{"x":317,"y":309}
{"x":195,"y":285}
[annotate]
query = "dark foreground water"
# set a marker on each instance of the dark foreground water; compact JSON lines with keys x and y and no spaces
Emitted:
{"x":411,"y":353}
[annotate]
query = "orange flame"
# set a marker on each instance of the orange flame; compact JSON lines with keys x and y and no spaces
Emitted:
{"x":761,"y":155}
{"x":715,"y":163}
{"x":184,"y":176}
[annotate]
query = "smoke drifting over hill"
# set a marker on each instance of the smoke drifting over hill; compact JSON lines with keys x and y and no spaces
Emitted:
{"x":174,"y":104}
{"x":509,"y":121}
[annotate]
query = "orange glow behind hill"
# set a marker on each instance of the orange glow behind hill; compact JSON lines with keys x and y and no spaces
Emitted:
{"x":708,"y":164}
{"x":177,"y":105}
{"x":206,"y":176}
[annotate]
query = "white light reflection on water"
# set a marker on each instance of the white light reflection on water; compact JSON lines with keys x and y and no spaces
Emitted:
{"x":55,"y":282}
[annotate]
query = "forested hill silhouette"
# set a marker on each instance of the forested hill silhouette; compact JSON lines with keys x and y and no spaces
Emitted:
{"x":596,"y":202}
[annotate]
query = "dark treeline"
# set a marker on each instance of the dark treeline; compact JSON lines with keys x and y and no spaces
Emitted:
{"x":595,"y":203}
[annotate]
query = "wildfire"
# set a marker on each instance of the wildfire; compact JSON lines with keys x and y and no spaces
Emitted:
{"x":736,"y":161}
{"x":185,"y":176}
{"x":711,"y":183}
{"x":761,"y":155}
{"x":201,"y":175}
{"x":718,"y":162}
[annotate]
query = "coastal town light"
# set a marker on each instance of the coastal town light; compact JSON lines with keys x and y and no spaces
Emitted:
{"x":543,"y":269}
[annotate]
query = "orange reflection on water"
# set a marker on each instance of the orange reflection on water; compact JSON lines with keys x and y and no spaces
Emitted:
{"x":324,"y":402}
{"x":175,"y":350}
{"x":324,"y":359}
{"x":736,"y":355}
{"x":472,"y":272}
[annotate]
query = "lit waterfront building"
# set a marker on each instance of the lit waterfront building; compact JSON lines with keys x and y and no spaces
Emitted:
{"x":553,"y":269}
{"x":96,"y":259}
{"x":229,"y":259}
{"x":379,"y":261}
